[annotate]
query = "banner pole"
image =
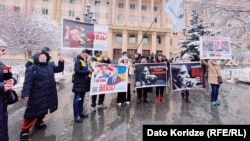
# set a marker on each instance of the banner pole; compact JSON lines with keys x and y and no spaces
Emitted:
{"x":149,"y":28}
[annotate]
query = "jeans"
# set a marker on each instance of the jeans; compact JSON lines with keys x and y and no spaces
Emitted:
{"x":215,"y":92}
{"x":78,"y":104}
{"x":100,"y":100}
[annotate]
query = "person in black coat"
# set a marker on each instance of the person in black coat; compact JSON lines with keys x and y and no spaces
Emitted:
{"x":32,"y":58}
{"x":83,"y":70}
{"x":39,"y":89}
{"x":5,"y":87}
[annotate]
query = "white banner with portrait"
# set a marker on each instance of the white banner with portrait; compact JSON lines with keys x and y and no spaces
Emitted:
{"x":215,"y":48}
{"x":108,"y":78}
{"x":186,"y":76}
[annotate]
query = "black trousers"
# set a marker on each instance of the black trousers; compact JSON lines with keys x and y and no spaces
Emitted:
{"x":100,"y":100}
{"x":159,"y":90}
{"x":142,"y":91}
{"x":124,"y":96}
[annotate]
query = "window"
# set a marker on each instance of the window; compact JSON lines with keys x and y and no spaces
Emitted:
{"x":107,"y":4}
{"x":171,"y":42}
{"x":145,"y":52}
{"x":159,"y":52}
{"x":45,"y":11}
{"x":120,"y":17}
{"x":1,"y":7}
{"x":96,"y":15}
{"x":132,"y":39}
{"x":145,"y":39}
{"x":117,"y":53}
{"x":155,"y":20}
{"x":158,"y":38}
{"x":107,"y":15}
{"x":16,"y":8}
{"x":71,"y":1}
{"x":118,"y":38}
{"x":120,"y":5}
{"x":33,"y":9}
{"x":155,"y":8}
{"x":71,"y":13}
{"x":212,"y":24}
{"x":132,"y":6}
{"x":97,"y":3}
{"x":144,"y":7}
{"x":131,"y":18}
{"x":143,"y":19}
{"x":130,"y":52}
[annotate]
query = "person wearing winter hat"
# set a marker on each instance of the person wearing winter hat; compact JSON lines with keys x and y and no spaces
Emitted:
{"x":83,"y":69}
{"x":40,"y":92}
{"x":5,"y":87}
{"x":31,"y":59}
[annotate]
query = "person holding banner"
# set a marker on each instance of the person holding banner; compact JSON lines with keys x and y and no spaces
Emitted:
{"x":125,"y":97}
{"x":143,"y":91}
{"x":160,"y":89}
{"x":104,"y":74}
{"x":81,"y":85}
{"x":181,"y":78}
{"x":214,"y":68}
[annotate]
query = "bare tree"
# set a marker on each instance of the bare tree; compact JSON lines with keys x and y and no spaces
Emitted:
{"x":28,"y":31}
{"x":229,"y":18}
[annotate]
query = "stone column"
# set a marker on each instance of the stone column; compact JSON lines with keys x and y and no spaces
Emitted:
{"x":139,"y":13}
{"x":110,"y":39}
{"x":112,"y":15}
{"x":152,"y":11}
{"x":126,"y":14}
{"x":153,"y":43}
{"x":124,"y":40}
{"x":166,"y":50}
{"x":163,"y":15}
{"x":58,"y":10}
{"x":139,"y":38}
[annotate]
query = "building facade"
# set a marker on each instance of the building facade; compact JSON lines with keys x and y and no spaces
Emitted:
{"x":134,"y":25}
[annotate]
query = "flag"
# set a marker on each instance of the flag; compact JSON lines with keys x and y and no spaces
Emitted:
{"x":175,"y":9}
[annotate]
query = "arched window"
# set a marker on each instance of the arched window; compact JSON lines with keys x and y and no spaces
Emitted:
{"x":158,"y":39}
{"x":145,"y":39}
{"x":118,"y":38}
{"x":171,"y":42}
{"x":132,"y":39}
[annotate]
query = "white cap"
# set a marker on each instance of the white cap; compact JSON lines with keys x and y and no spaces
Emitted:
{"x":186,"y":56}
{"x":2,"y":43}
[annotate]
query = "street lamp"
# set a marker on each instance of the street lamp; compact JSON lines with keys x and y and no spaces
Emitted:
{"x":88,"y":16}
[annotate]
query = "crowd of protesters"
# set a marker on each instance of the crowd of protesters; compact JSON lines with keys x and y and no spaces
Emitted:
{"x":40,"y":92}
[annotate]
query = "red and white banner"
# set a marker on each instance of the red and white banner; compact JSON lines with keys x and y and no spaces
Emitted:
{"x":77,"y":34}
{"x":108,"y":78}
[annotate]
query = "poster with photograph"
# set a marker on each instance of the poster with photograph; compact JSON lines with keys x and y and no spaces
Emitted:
{"x":215,"y":48}
{"x":108,"y":78}
{"x":150,"y":74}
{"x":186,"y":76}
{"x":77,"y":34}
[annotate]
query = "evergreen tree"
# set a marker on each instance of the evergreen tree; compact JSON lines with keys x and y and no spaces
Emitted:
{"x":193,"y":32}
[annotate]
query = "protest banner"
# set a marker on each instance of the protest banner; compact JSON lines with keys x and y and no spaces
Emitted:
{"x":186,"y":76}
{"x":108,"y":78}
{"x":150,"y":74}
{"x":77,"y":34}
{"x":215,"y":48}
